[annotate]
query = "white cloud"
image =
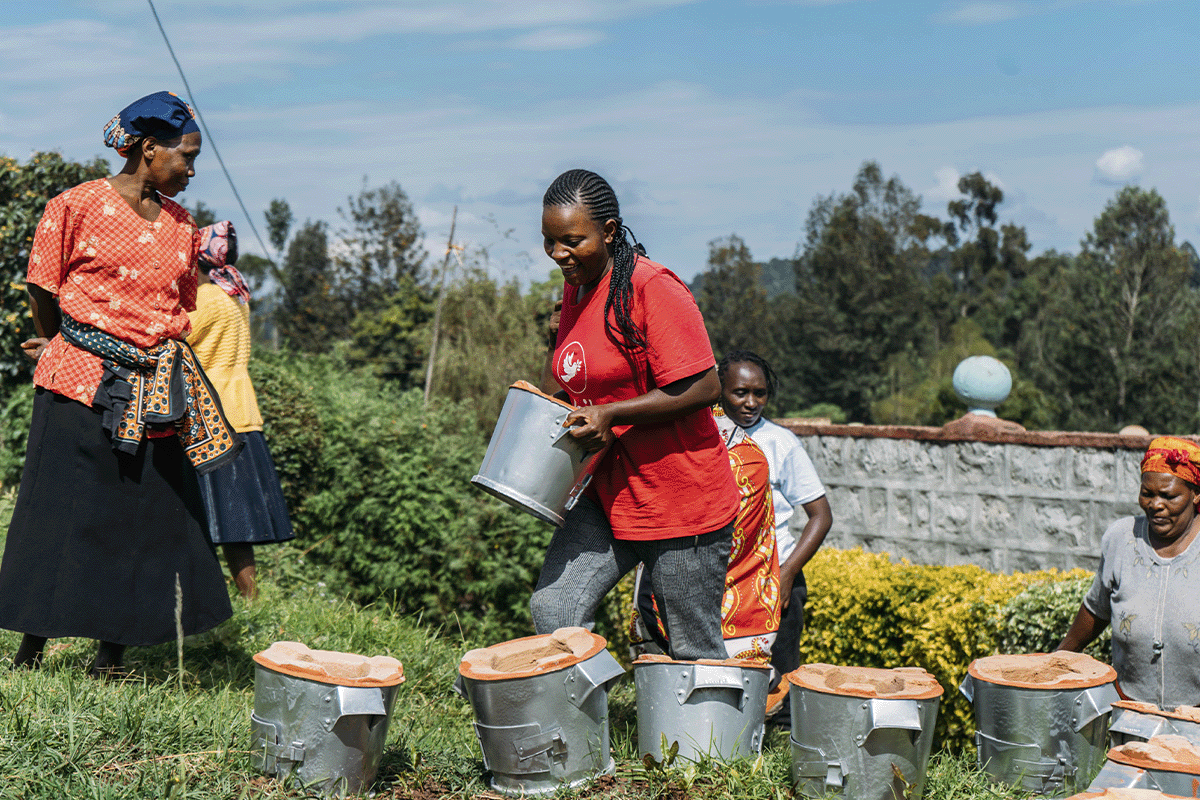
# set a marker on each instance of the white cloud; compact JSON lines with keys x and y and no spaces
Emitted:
{"x":557,"y":39}
{"x":946,"y":188}
{"x":1120,"y":165}
{"x":985,"y":12}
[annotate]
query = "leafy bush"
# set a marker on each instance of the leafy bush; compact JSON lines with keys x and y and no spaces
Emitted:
{"x":1036,"y":620}
{"x":291,"y":422}
{"x":865,"y":610}
{"x":15,"y":414}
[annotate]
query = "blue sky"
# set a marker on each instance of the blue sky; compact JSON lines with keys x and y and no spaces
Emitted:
{"x":708,"y":117}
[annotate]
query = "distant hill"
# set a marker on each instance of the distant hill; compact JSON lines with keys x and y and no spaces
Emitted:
{"x":778,"y":277}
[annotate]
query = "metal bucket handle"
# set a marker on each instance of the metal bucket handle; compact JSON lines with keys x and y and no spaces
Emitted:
{"x":890,"y":715}
{"x":1139,"y":726}
{"x":1092,"y":703}
{"x":601,"y":670}
{"x":711,"y":676}
{"x":815,"y":764}
{"x":352,"y":701}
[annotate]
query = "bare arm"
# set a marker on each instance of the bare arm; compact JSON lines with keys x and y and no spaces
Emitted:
{"x":1086,"y":627}
{"x":820,"y":520}
{"x":592,"y":425}
{"x":46,"y":320}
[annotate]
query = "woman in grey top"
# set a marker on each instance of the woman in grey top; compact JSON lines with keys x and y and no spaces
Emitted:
{"x":1148,"y":584}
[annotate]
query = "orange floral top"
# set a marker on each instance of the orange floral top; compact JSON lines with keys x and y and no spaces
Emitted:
{"x":112,"y":269}
{"x":750,"y":608}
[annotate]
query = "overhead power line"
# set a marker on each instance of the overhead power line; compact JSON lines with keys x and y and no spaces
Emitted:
{"x":207,"y":135}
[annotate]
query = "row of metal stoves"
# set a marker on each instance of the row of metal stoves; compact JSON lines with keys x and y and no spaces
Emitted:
{"x":541,"y":719}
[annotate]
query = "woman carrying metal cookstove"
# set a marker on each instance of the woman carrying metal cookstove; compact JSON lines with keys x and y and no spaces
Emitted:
{"x":632,"y":353}
{"x":1148,"y":584}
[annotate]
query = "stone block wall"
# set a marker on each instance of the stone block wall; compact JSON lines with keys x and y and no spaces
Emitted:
{"x":1004,"y":499}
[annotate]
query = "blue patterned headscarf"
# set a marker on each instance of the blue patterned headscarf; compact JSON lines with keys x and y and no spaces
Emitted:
{"x":161,"y":115}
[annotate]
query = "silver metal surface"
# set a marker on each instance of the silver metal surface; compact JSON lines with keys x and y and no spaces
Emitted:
{"x":530,"y":463}
{"x":544,"y":732}
{"x":1123,"y":776}
{"x":1043,"y":740}
{"x":1138,"y":726}
{"x":711,"y":710}
{"x":862,"y":748}
{"x":329,"y":738}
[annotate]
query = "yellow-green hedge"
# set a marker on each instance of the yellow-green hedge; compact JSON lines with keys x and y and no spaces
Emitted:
{"x":865,"y":610}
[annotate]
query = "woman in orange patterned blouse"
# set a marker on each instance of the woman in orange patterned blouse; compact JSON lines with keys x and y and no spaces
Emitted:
{"x":108,"y":521}
{"x":750,"y":606}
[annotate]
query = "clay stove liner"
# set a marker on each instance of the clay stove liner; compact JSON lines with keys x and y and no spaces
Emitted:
{"x":529,"y":387}
{"x":744,"y":663}
{"x":329,"y":666}
{"x":1184,"y":713}
{"x":1168,"y":753}
{"x":1061,"y":670}
{"x":901,"y":683}
{"x":1124,"y":794}
{"x":532,"y":655}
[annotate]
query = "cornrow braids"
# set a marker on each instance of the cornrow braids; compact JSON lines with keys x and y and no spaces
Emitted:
{"x":748,"y":357}
{"x":594,"y":194}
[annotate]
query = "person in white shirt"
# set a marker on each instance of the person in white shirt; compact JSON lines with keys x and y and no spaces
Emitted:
{"x":747,"y":384}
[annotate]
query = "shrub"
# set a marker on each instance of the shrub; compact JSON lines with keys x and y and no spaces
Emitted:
{"x":15,"y":415}
{"x":291,"y":421}
{"x":1036,"y":620}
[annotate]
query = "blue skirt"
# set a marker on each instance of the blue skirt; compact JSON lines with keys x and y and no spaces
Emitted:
{"x":243,"y":501}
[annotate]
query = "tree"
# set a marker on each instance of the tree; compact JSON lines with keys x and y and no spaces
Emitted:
{"x":1121,"y":317}
{"x":859,"y":295}
{"x":732,"y":299}
{"x":202,"y":214}
{"x":383,"y":252}
{"x":24,"y":192}
{"x":310,"y":314}
{"x":279,"y":224}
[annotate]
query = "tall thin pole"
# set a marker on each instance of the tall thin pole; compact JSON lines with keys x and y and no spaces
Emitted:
{"x":437,"y":312}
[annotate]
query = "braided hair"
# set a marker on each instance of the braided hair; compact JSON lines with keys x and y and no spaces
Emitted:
{"x":748,"y":357}
{"x":598,"y":198}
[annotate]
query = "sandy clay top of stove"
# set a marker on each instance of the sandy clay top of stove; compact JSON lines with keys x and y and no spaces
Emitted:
{"x":330,"y":666}
{"x":532,"y":655}
{"x":1185,"y":713}
{"x":1123,"y":794}
{"x":1166,"y":752}
{"x":1061,"y":670}
{"x":901,"y":683}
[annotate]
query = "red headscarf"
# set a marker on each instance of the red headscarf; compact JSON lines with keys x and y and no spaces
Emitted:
{"x":1171,"y":455}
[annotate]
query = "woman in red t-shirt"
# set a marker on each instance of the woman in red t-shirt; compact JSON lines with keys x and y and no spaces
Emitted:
{"x":632,"y":353}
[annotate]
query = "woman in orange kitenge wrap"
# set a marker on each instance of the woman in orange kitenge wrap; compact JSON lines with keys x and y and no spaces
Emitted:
{"x":750,"y":605}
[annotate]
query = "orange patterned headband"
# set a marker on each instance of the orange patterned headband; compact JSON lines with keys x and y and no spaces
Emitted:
{"x":1174,"y":456}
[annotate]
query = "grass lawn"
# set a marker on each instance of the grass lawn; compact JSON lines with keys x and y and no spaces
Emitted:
{"x":64,"y":735}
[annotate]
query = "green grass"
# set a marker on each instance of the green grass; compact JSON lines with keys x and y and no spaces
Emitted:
{"x":64,"y":735}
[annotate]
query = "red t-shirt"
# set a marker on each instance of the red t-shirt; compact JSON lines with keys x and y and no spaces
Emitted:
{"x":663,"y":480}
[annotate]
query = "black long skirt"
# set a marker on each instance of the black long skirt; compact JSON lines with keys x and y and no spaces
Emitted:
{"x":98,"y":537}
{"x":243,"y":500}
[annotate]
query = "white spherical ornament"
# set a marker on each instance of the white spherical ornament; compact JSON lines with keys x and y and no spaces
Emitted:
{"x":983,"y":383}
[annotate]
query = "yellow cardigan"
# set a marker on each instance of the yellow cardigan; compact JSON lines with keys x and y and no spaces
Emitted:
{"x":221,"y":338}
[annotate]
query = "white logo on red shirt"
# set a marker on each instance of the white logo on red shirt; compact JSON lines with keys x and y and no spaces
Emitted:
{"x":572,"y":368}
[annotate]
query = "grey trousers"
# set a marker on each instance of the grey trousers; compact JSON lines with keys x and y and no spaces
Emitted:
{"x":584,"y":562}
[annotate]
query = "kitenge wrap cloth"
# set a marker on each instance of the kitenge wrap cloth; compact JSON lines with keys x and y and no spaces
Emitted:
{"x":162,"y":384}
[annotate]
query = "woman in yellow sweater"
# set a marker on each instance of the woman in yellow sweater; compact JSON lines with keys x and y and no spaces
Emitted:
{"x":242,"y":500}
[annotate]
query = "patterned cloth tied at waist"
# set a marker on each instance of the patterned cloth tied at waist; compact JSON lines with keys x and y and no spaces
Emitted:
{"x":160,"y":385}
